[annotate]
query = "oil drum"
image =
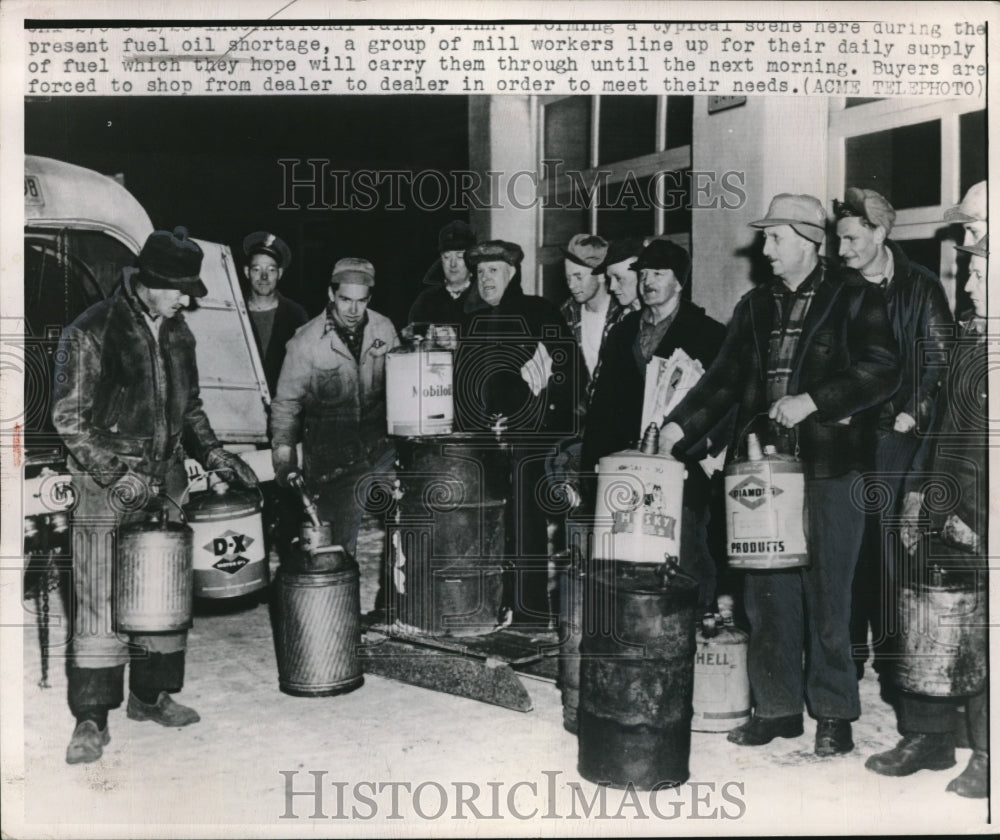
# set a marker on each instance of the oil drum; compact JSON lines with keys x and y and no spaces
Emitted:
{"x":229,"y":555}
{"x":446,"y":539}
{"x":153,"y":580}
{"x":318,"y":628}
{"x":636,"y":677}
{"x":765,"y":510}
{"x":637,"y":514}
{"x":721,"y":680}
{"x":943,"y":634}
{"x":418,"y":392}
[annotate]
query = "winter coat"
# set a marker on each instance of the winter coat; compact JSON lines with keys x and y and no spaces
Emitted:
{"x":498,"y":342}
{"x":921,"y":319}
{"x":289,"y":317}
{"x":616,"y":409}
{"x":331,"y":403}
{"x":118,"y":394}
{"x":434,"y":305}
{"x":847,"y":360}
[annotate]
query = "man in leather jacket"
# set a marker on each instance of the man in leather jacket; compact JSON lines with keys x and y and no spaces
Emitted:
{"x":920,"y":317}
{"x":126,"y":404}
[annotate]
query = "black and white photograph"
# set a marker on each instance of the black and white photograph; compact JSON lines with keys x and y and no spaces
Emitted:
{"x":524,"y":419}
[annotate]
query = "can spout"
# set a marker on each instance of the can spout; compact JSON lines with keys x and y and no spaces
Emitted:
{"x":299,"y":484}
{"x":753,"y":448}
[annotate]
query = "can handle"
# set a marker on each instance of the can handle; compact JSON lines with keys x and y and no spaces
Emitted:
{"x":741,"y":438}
{"x":191,"y":483}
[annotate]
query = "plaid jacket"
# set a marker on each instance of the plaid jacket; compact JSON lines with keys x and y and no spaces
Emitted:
{"x":847,"y":360}
{"x":571,"y":311}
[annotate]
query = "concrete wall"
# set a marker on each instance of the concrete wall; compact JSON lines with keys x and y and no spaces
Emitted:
{"x":780,"y":145}
{"x":502,"y":139}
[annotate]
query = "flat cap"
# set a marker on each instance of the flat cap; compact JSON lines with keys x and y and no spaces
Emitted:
{"x":619,"y":251}
{"x":353,"y":270}
{"x":262,"y":242}
{"x":169,"y":260}
{"x":972,"y":208}
{"x":804,"y":213}
{"x":586,"y":249}
{"x":868,"y":205}
{"x":496,"y":250}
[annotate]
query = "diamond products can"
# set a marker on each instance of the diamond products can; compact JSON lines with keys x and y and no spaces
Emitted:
{"x":765,"y":510}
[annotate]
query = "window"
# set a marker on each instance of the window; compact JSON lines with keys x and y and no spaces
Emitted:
{"x":922,"y":156}
{"x":612,"y":165}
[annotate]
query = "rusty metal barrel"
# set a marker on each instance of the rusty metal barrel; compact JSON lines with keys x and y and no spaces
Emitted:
{"x":943,"y":642}
{"x":636,"y":677}
{"x":318,"y":628}
{"x":446,"y":540}
{"x":153,"y":577}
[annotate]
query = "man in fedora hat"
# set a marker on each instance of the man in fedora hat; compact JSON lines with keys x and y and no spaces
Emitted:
{"x":813,"y":351}
{"x":666,"y":322}
{"x":331,"y":398}
{"x":127,"y":406}
{"x":920,"y":317}
{"x":274,"y":317}
{"x":958,"y":447}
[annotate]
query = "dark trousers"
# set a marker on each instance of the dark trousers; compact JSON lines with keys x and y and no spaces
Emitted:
{"x":873,"y":593}
{"x":921,"y":715}
{"x":808,"y":610}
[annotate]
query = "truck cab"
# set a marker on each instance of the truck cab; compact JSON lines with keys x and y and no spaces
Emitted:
{"x":81,"y":229}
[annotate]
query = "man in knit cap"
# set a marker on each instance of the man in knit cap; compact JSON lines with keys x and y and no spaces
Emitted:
{"x":439,"y":310}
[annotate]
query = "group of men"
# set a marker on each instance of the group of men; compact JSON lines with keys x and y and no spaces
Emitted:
{"x":824,"y":359}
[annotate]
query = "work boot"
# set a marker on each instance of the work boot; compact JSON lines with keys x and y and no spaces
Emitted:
{"x":164,"y":711}
{"x":833,"y":737}
{"x":87,"y":743}
{"x":760,"y":730}
{"x":974,"y":781}
{"x":930,"y":751}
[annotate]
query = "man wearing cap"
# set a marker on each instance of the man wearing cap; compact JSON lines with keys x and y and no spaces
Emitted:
{"x":331,"y":398}
{"x":920,"y":317}
{"x":125,"y":402}
{"x":971,"y":213}
{"x":518,"y":370}
{"x":958,"y":449}
{"x":665,"y":323}
{"x":623,"y":282}
{"x":590,"y":309}
{"x":813,"y":351}
{"x":274,"y":317}
{"x":439,"y":310}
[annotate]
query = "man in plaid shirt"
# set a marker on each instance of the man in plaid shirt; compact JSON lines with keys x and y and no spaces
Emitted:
{"x":814,"y":352}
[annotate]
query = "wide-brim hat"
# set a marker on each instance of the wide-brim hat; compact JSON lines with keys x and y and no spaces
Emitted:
{"x":804,"y":213}
{"x":972,"y":208}
{"x":262,"y":242}
{"x":619,"y":251}
{"x":495,"y":250}
{"x":169,"y":260}
{"x":980,"y":249}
